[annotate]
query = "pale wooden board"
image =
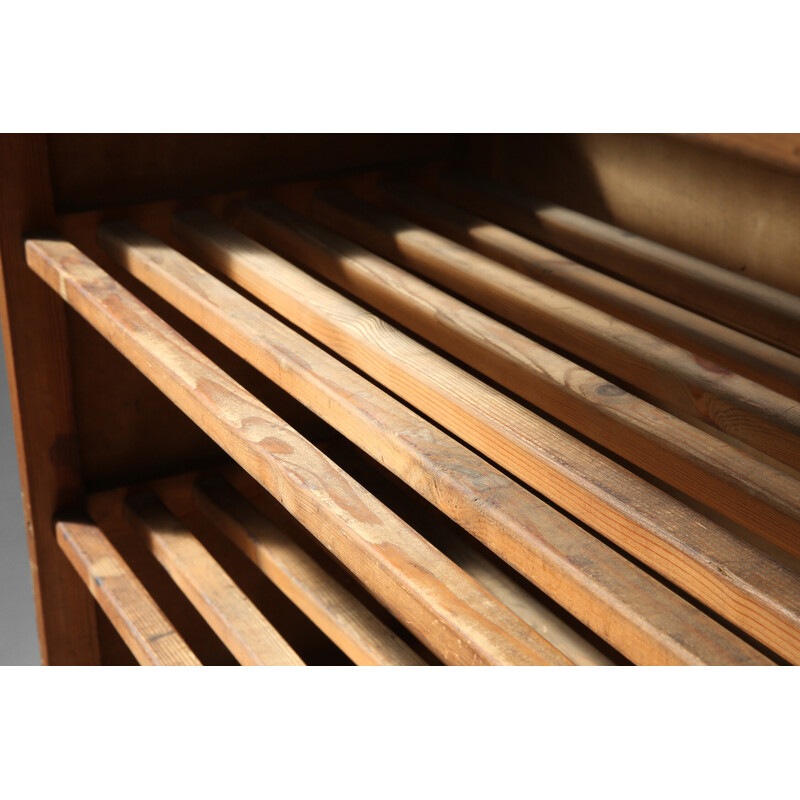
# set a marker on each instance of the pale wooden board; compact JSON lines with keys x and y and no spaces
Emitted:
{"x":721,"y":294}
{"x":736,"y":351}
{"x":607,"y":497}
{"x":347,"y":622}
{"x":140,"y":622}
{"x":750,"y":492}
{"x":752,"y":413}
{"x":250,"y":637}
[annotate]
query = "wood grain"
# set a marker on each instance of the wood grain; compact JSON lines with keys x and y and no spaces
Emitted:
{"x":139,"y":621}
{"x":736,"y":351}
{"x":747,"y":491}
{"x":37,"y":360}
{"x":250,"y":637}
{"x":662,"y":532}
{"x":764,"y":419}
{"x":738,"y":301}
{"x":444,"y":608}
{"x":347,"y":622}
{"x":601,"y":589}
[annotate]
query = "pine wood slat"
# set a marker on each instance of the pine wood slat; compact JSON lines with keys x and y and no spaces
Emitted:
{"x":444,"y":608}
{"x":731,"y":577}
{"x":508,"y":587}
{"x":728,"y":297}
{"x":736,"y":351}
{"x":768,"y":421}
{"x":250,"y":637}
{"x":139,"y":621}
{"x":600,"y":587}
{"x":746,"y":490}
{"x":345,"y":620}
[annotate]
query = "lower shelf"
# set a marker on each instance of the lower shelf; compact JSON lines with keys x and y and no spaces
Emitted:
{"x":209,"y":569}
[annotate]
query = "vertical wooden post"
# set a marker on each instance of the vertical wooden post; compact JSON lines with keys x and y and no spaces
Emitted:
{"x":35,"y":340}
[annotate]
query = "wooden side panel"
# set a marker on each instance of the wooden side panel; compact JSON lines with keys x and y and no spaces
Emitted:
{"x":736,"y":212}
{"x":35,"y":339}
{"x":778,"y":149}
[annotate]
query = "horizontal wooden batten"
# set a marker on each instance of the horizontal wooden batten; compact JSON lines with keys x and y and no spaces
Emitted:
{"x":345,"y":620}
{"x":749,"y":492}
{"x":702,"y":558}
{"x":131,"y":610}
{"x":733,"y":299}
{"x":601,"y":589}
{"x":766,"y":420}
{"x":444,"y":608}
{"x":736,"y":351}
{"x":250,"y":637}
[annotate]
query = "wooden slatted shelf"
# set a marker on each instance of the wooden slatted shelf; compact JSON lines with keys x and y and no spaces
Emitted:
{"x":499,"y":410}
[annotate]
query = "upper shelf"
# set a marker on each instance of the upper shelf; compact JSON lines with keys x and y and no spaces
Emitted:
{"x":553,"y":348}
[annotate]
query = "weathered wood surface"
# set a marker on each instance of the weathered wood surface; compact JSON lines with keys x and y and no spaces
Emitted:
{"x":448,"y":611}
{"x":736,"y":351}
{"x":132,"y":611}
{"x":506,"y":584}
{"x":345,"y":620}
{"x":250,"y":637}
{"x":778,"y":149}
{"x":508,"y":519}
{"x":665,"y":534}
{"x":721,"y":294}
{"x":37,"y":360}
{"x":768,"y":421}
{"x":721,"y":476}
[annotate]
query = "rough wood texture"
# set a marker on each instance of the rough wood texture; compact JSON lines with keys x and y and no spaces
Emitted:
{"x":351,"y":626}
{"x":34,"y":336}
{"x":601,"y":589}
{"x":506,"y":584}
{"x":734,"y":350}
{"x":680,"y":544}
{"x":721,"y":294}
{"x":778,"y":149}
{"x":139,"y":621}
{"x":764,"y":419}
{"x":721,"y":476}
{"x":443,"y":607}
{"x":251,"y":638}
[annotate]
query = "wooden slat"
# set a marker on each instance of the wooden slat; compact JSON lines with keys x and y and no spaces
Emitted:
{"x":736,"y":351}
{"x":749,"y":492}
{"x":733,"y":299}
{"x":510,"y":588}
{"x":681,"y":544}
{"x":346,"y":621}
{"x":139,"y":621}
{"x":768,"y":421}
{"x":610,"y":596}
{"x":250,"y":637}
{"x":37,"y":360}
{"x":445,"y":609}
